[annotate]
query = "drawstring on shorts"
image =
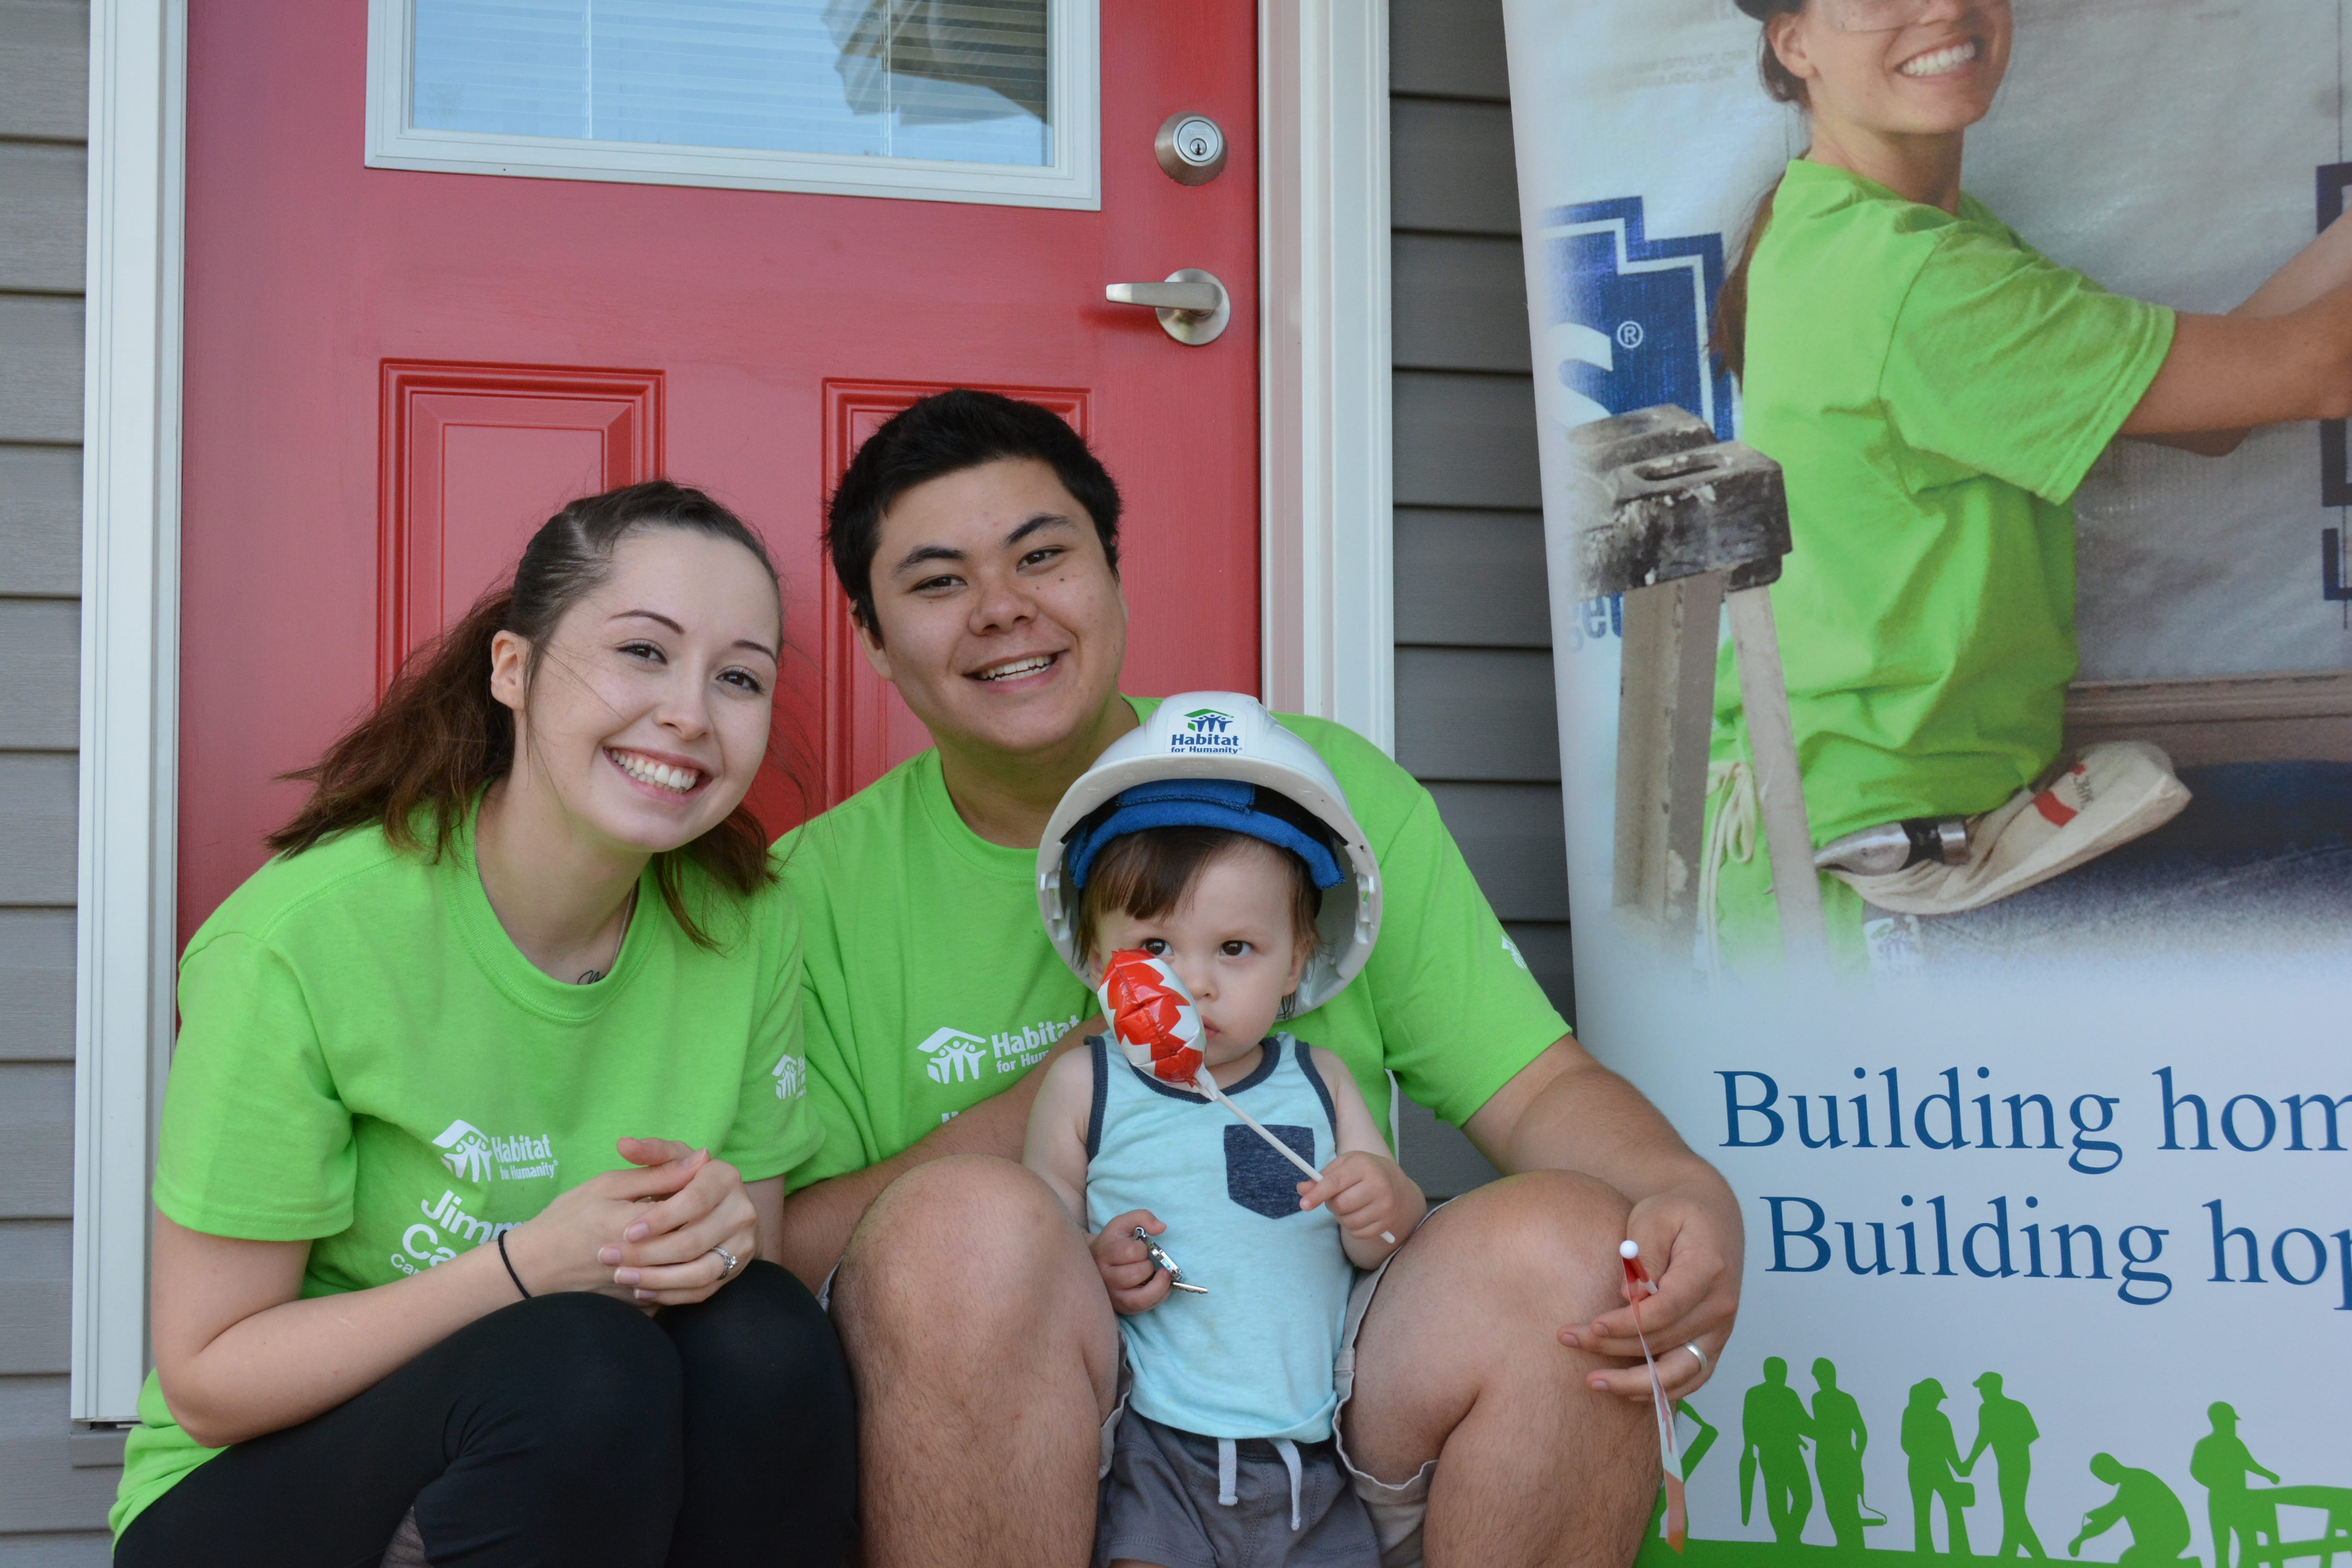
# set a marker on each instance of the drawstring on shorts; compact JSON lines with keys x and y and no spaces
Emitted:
{"x":1229,"y":1473}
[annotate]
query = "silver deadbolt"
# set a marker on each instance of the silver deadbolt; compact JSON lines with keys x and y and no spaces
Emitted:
{"x":1193,"y":305}
{"x":1191,"y":148}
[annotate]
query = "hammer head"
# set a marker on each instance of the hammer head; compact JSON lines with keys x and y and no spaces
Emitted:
{"x":1658,"y":499}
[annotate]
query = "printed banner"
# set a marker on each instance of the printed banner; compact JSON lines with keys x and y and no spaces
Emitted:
{"x":2047,"y":1178}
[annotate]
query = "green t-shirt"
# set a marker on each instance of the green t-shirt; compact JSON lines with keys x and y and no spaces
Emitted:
{"x":931,"y":982}
{"x":366,"y":1062}
{"x":1934,"y":390}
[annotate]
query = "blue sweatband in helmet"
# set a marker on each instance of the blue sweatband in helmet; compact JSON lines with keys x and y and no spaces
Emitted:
{"x":1226,"y":804}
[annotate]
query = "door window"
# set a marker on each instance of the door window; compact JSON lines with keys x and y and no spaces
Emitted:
{"x":985,"y":100}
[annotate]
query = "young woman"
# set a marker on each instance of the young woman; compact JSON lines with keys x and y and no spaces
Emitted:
{"x":1936,"y":391}
{"x":471,"y":1164}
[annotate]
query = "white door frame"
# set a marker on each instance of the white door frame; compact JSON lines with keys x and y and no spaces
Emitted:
{"x":1324,"y":529}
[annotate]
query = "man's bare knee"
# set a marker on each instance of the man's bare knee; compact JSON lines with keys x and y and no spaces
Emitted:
{"x":964,"y":1262}
{"x":1543,"y":1237}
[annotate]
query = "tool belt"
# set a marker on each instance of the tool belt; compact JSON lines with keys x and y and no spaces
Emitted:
{"x":2111,"y":793}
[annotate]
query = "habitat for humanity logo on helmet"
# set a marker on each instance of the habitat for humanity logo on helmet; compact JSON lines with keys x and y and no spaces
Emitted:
{"x":1205,"y":730}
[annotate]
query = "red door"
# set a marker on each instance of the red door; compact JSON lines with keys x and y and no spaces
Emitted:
{"x":393,"y":377}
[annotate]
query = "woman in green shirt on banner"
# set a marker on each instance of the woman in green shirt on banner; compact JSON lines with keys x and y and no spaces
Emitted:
{"x":471,"y":1171}
{"x":1936,"y":391}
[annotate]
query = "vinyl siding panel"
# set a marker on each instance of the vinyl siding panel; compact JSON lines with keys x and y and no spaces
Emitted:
{"x":40,"y":520}
{"x":36,"y":827}
{"x":41,"y":222}
{"x":1447,"y":49}
{"x":54,"y":1487}
{"x":1466,"y":440}
{"x":1469,"y":303}
{"x":43,"y":70}
{"x":40,"y":649}
{"x":1475,"y":719}
{"x":36,"y":987}
{"x":40,"y":342}
{"x":1471,"y":579}
{"x":1450,"y":169}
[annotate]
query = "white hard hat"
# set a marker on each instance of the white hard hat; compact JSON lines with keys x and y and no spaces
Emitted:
{"x":1206,"y":739}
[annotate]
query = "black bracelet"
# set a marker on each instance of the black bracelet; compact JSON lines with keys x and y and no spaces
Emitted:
{"x":510,"y":1267}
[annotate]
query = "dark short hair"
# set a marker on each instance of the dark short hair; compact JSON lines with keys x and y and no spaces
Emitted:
{"x":1146,"y":874}
{"x":945,"y":434}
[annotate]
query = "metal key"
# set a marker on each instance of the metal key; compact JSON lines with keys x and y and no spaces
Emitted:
{"x":1159,"y":1256}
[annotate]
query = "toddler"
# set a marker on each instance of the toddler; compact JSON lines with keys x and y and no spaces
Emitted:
{"x":1225,"y":1451}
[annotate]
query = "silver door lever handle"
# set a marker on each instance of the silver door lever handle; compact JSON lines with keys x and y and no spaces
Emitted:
{"x":1193,"y":306}
{"x":1193,"y":298}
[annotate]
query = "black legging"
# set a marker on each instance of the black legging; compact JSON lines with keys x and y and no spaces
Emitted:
{"x":562,"y":1430}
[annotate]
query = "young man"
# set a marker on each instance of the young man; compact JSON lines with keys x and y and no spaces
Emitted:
{"x":977,"y":541}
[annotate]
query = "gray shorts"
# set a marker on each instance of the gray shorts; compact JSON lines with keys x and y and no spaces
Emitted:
{"x":1184,"y":1500}
{"x":1396,"y":1510}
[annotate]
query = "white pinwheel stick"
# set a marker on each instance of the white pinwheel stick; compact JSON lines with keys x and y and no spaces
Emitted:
{"x":1208,"y":1086}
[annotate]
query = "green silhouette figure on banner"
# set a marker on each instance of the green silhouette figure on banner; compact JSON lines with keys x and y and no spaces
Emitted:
{"x":1841,"y":1437}
{"x":2159,"y":1525}
{"x":2006,"y":1426}
{"x":1773,"y":1428}
{"x":2221,"y":1464}
{"x":1935,"y":1455}
{"x":1692,"y":1452}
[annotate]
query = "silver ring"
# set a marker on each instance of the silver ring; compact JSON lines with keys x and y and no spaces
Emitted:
{"x":728,"y":1259}
{"x":1693,"y":1348}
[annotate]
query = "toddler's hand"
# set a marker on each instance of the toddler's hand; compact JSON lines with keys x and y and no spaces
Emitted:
{"x":1368,"y":1195}
{"x":1136,"y":1283}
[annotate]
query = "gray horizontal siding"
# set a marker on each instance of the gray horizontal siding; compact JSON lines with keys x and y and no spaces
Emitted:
{"x":1511,"y":836}
{"x":1447,"y":49}
{"x":43,"y":67}
{"x":36,"y":1140}
{"x":35,"y":1256}
{"x":36,"y":828}
{"x":1471,"y":579}
{"x":1450,"y":169}
{"x":1468,"y":303}
{"x":37,"y":986}
{"x":1473,"y":691}
{"x":40,"y":340}
{"x":54,"y":1488}
{"x":40,"y":649}
{"x":1476,"y":714}
{"x":40,"y":520}
{"x":40,"y":222}
{"x":1466,"y":440}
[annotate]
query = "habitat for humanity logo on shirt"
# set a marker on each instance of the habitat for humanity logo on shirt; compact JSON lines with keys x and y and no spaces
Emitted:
{"x":1205,"y":730}
{"x":954,"y":1056}
{"x":472,"y":1155}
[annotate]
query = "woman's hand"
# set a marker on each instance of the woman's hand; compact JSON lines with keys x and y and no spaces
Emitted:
{"x":562,"y":1248}
{"x":666,"y":1254}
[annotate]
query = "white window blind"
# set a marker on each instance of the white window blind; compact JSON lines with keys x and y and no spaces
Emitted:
{"x":952,"y":81}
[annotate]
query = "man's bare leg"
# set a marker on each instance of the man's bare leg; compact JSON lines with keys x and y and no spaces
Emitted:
{"x":986,"y":1357}
{"x":1459,"y":1361}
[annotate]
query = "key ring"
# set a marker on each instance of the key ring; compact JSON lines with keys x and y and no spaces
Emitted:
{"x":1161,"y":1259}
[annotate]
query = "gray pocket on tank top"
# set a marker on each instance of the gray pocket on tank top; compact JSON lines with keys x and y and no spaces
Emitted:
{"x":1260,"y":1179}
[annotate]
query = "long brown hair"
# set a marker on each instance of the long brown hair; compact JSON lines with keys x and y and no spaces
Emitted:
{"x":438,"y":738}
{"x":1731,"y":326}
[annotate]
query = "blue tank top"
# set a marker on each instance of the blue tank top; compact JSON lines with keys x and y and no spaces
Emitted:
{"x":1253,"y":1357}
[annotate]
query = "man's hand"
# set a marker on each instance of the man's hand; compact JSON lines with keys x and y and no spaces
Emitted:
{"x":1698,"y":1234}
{"x":1370,"y":1196}
{"x":1136,"y":1283}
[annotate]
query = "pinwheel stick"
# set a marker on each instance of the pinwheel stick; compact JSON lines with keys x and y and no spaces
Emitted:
{"x":1208,"y":1086}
